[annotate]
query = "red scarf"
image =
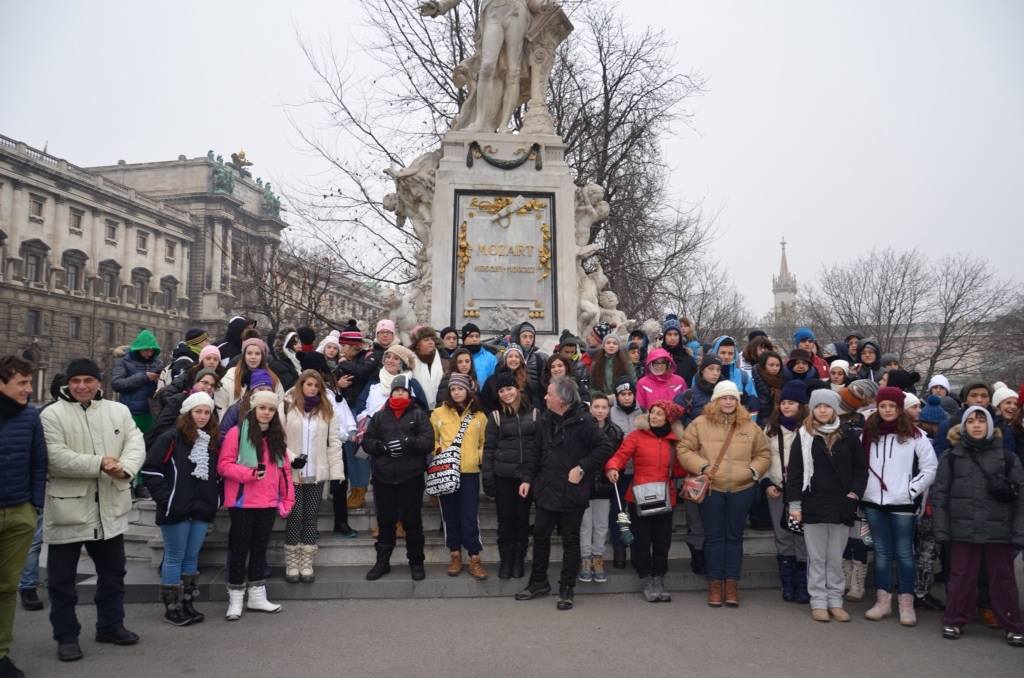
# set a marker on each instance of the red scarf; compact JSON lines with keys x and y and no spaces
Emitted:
{"x":398,"y":406}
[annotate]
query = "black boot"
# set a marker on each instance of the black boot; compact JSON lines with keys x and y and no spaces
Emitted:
{"x":383,"y":564}
{"x":519,"y":561}
{"x":417,"y":572}
{"x":173,"y":613}
{"x":565,"y":595}
{"x":506,"y":553}
{"x":534,"y":590}
{"x":801,"y":594}
{"x":618,"y":556}
{"x":189,"y":594}
{"x":696,"y":560}
{"x":787,"y":577}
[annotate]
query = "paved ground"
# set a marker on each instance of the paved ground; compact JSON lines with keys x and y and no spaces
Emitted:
{"x":606,"y":635}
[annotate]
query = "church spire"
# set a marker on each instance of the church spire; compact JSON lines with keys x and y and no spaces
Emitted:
{"x":784,"y":266}
{"x":784,"y":287}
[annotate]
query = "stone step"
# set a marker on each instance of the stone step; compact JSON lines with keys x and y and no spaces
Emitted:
{"x":333,"y":583}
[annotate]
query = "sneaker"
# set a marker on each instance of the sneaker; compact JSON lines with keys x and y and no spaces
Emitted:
{"x":69,"y":651}
{"x":597,"y":565}
{"x":117,"y":636}
{"x":586,"y":572}
{"x":534,"y":591}
{"x":952,"y":632}
{"x":929,"y":602}
{"x":30,"y":600}
{"x":1014,"y":639}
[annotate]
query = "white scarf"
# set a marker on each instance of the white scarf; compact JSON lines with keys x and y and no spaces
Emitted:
{"x":200,"y":455}
{"x":807,"y":446}
{"x":385,"y":378}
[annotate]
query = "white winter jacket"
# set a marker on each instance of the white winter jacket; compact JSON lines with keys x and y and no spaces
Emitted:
{"x":893,"y":481}
{"x":82,"y":502}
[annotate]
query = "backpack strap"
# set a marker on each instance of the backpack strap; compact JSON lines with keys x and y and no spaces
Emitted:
{"x":497,"y":417}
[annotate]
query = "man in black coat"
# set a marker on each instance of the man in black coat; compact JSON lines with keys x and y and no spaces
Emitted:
{"x":570,"y":447}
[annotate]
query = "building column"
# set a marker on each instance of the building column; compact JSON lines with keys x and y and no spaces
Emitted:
{"x":226,"y":275}
{"x":217,"y":259}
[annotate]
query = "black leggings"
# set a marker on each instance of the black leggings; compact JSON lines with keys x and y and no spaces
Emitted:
{"x":247,"y":543}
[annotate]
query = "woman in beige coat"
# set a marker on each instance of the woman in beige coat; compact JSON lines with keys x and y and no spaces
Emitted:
{"x":314,"y":445}
{"x":733,"y":484}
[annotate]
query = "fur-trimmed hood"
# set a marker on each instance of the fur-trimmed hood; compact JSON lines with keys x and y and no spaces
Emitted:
{"x":641,"y":423}
{"x":954,"y":436}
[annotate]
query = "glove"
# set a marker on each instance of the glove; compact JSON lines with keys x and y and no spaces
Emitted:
{"x":394,"y":448}
{"x":299,"y":462}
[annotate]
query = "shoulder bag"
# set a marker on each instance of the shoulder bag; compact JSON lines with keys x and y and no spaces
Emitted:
{"x":444,"y":474}
{"x":696,"y":488}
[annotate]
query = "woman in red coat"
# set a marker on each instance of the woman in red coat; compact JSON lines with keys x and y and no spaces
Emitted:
{"x":652,"y":448}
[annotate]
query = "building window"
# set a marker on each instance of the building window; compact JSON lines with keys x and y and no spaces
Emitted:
{"x":142,"y":242}
{"x":73,"y":276}
{"x":169,"y":292}
{"x":140,"y":284}
{"x":74,"y":327}
{"x":75,"y":221}
{"x":36,"y":204}
{"x":33,"y":267}
{"x":109,"y":334}
{"x":33,"y":323}
{"x":171,"y":248}
{"x":109,"y":272}
{"x":110,"y":232}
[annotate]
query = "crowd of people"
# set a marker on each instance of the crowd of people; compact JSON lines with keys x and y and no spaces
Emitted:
{"x":837,"y":449}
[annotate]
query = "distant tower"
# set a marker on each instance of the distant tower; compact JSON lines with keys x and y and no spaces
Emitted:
{"x":784,"y":288}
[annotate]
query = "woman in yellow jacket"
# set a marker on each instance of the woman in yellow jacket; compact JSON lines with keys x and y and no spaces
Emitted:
{"x":733,"y":484}
{"x":460,"y":509}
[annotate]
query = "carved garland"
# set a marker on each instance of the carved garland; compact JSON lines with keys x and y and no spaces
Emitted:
{"x":544,"y":253}
{"x":464,"y":252}
{"x":535,"y":154}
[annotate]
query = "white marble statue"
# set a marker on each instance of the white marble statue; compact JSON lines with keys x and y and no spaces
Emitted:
{"x":400,"y":310}
{"x":515,"y":43}
{"x":610,"y":313}
{"x":591,"y":208}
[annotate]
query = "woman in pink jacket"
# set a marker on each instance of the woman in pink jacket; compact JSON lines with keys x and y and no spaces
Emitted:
{"x":257,"y":472}
{"x":660,"y":382}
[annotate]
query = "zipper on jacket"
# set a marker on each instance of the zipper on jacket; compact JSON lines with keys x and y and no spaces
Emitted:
{"x":174,"y":487}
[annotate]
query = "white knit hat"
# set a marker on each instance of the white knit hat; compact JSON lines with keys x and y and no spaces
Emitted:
{"x":909,"y":400}
{"x":842,"y":364}
{"x":263,"y":398}
{"x":725,"y":388}
{"x":195,"y":400}
{"x":939,"y":380}
{"x":1002,"y":392}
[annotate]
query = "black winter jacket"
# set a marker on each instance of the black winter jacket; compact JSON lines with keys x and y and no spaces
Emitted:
{"x":601,"y":487}
{"x":178,"y":494}
{"x":562,"y":443}
{"x":837,"y":474}
{"x":416,"y":434}
{"x":963,"y":509}
{"x":168,"y":415}
{"x":23,"y":459}
{"x":508,"y":445}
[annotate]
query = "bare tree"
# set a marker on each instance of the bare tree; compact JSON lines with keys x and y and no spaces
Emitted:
{"x":615,"y":95}
{"x":709,"y":298}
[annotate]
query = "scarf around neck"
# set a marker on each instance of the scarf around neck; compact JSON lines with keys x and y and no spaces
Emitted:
{"x":247,"y":455}
{"x":310,"y":403}
{"x":661,"y":431}
{"x":200,"y":455}
{"x":385,"y":378}
{"x":789,"y":423}
{"x":398,"y":406}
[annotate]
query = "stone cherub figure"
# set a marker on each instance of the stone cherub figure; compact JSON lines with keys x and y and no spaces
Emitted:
{"x":498,"y":74}
{"x":591,"y":207}
{"x":399,"y":309}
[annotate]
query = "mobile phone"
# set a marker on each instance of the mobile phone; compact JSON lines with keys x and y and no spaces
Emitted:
{"x":261,"y":467}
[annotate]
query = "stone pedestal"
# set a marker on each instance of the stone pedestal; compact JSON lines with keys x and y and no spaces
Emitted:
{"x":503,"y":246}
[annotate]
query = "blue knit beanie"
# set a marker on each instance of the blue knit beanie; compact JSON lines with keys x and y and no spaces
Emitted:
{"x":803,"y":334}
{"x":671,"y":323}
{"x":932,"y":412}
{"x":794,"y":390}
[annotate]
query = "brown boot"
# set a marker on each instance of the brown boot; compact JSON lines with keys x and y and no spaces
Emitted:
{"x":356,"y":498}
{"x":732,"y":593}
{"x":715,"y":593}
{"x":399,"y":530}
{"x":476,"y":568}
{"x":455,"y":567}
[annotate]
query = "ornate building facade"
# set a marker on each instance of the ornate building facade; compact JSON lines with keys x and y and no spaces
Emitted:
{"x":89,"y":256}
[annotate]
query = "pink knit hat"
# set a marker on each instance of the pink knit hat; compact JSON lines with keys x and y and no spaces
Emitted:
{"x":209,"y":349}
{"x":385,"y":325}
{"x":256,"y":341}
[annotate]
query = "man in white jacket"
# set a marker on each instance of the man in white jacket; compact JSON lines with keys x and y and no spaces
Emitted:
{"x":95,"y":451}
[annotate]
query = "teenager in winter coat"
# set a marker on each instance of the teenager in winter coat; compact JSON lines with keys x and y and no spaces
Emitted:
{"x":230,"y":346}
{"x":869,"y":360}
{"x":524,"y":335}
{"x":257,"y":472}
{"x":609,"y":363}
{"x":838,"y":374}
{"x":181,"y":475}
{"x":206,"y":382}
{"x":651,"y":448}
{"x":460,"y":510}
{"x":827,"y":476}
{"x":725,"y":348}
{"x":804,"y":339}
{"x":594,"y":528}
{"x":396,"y":361}
{"x":135,"y":375}
{"x":781,"y":430}
{"x":733,"y":485}
{"x":625,"y":414}
{"x":979,"y":526}
{"x":683,"y":348}
{"x":237,"y":379}
{"x":399,"y":439}
{"x":484,"y":362}
{"x":901,"y":467}
{"x":312,"y":436}
{"x":660,"y":381}
{"x":768,"y":381}
{"x":209,"y":359}
{"x":694,"y":399}
{"x":508,"y":444}
{"x":461,"y":362}
{"x":1006,"y":406}
{"x":511,"y":361}
{"x":284,"y":359}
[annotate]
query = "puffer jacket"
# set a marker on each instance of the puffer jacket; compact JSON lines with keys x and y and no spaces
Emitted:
{"x":242,"y":489}
{"x":446,"y":423}
{"x":535,"y":359}
{"x":82,"y":502}
{"x":564,"y":442}
{"x":168,"y":474}
{"x":653,"y":458}
{"x":694,"y":399}
{"x":22,"y":455}
{"x":651,"y":388}
{"x":780,"y":459}
{"x":323,"y":445}
{"x":703,"y":440}
{"x":906,"y":468}
{"x":416,"y":434}
{"x":130,"y":376}
{"x":963,"y":509}
{"x":508,"y":443}
{"x":836,"y":473}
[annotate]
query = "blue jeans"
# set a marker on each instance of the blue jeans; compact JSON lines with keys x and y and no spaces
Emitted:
{"x":30,"y":573}
{"x":357,"y":470}
{"x":893,"y":534}
{"x":461,"y":514}
{"x":724,"y":515}
{"x":182,"y":543}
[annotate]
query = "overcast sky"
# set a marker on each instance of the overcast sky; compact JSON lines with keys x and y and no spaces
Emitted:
{"x":840,"y":125}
